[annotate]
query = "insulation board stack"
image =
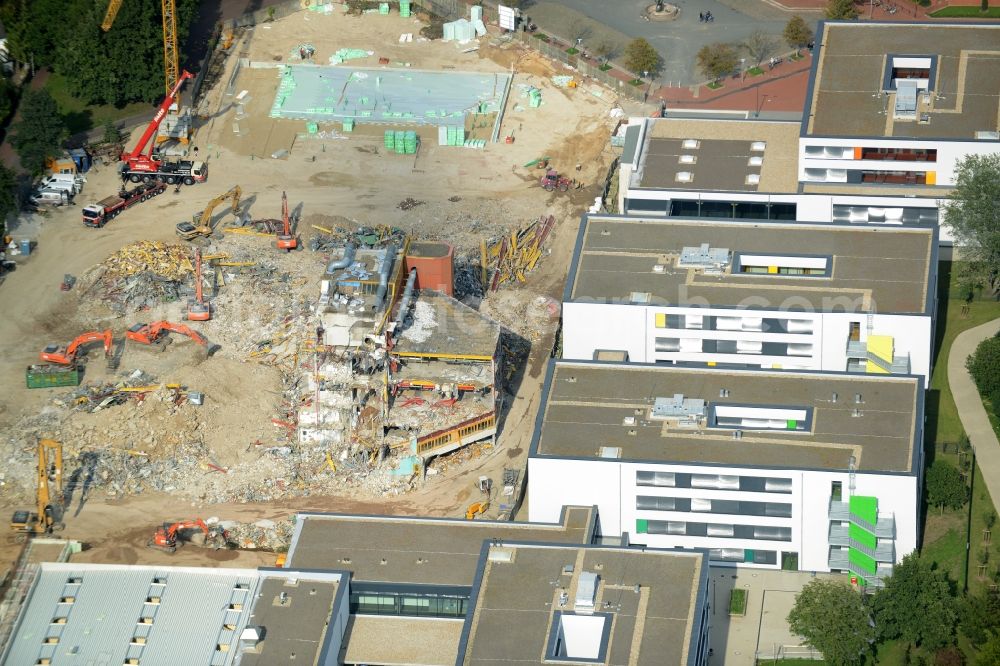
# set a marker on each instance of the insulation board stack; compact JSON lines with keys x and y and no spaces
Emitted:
{"x":404,"y":8}
{"x":390,"y":140}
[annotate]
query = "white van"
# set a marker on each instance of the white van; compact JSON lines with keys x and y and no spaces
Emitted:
{"x":53,"y":183}
{"x":50,"y":197}
{"x":74,"y":178}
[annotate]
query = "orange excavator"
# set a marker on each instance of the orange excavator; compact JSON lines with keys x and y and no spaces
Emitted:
{"x":286,"y":241}
{"x":67,"y":355}
{"x":153,"y":334}
{"x":198,"y":308}
{"x":165,"y":537}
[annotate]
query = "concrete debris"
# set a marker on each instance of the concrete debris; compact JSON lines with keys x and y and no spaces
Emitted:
{"x":139,"y":275}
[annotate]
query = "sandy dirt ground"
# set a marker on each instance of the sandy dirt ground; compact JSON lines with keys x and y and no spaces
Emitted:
{"x":467,"y":195}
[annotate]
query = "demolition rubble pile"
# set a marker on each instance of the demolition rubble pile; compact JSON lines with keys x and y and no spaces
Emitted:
{"x":139,"y":275}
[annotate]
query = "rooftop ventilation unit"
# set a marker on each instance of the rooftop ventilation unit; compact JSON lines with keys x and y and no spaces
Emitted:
{"x":758,"y":146}
{"x":755,"y":161}
{"x":753,"y":179}
{"x":707,"y":258}
{"x":690,"y":144}
{"x":586,"y":591}
{"x":987,"y":135}
{"x":687,"y":159}
{"x":684,"y":177}
{"x":678,"y":407}
{"x":610,"y":452}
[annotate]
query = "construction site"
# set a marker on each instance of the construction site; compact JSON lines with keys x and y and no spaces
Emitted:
{"x":342,"y":296}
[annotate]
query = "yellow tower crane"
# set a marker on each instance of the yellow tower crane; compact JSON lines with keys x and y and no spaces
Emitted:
{"x":171,"y":59}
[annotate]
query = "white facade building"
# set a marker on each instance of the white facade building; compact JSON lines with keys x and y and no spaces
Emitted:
{"x":808,"y":471}
{"x":895,"y":105}
{"x":764,"y":295}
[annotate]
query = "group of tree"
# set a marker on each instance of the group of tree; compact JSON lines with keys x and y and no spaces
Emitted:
{"x":719,"y":59}
{"x":984,"y":367}
{"x":974,"y":218}
{"x":917,"y":606}
{"x":121,"y":66}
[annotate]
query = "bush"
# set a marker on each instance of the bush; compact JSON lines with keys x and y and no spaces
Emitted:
{"x":738,"y":601}
{"x":984,"y":366}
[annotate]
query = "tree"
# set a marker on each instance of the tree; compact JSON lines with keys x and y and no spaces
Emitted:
{"x":120,"y":66}
{"x":40,"y":132}
{"x":759,"y":45}
{"x":945,"y":487}
{"x":717,"y":60}
{"x":989,"y":655}
{"x":111,"y":132}
{"x":797,"y":33}
{"x":8,"y":196}
{"x":841,"y":9}
{"x":984,"y":366}
{"x":917,"y":605}
{"x":607,"y":49}
{"x":579,"y":30}
{"x":640,"y":57}
{"x":833,"y":618}
{"x":973,"y":215}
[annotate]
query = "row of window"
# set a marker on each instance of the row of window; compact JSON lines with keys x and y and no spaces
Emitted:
{"x":729,"y":210}
{"x":390,"y":603}
{"x":699,"y":505}
{"x":700,"y":322}
{"x":751,"y":484}
{"x":715,"y":530}
{"x":745,"y":555}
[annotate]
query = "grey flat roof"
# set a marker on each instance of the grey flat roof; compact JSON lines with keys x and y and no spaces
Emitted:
{"x":514,"y":606}
{"x":722,"y":155}
{"x":850,"y":64}
{"x":418,"y":640}
{"x":883,"y":268}
{"x":440,"y":324}
{"x":587,"y":413}
{"x":294,"y":628}
{"x":106,"y":606}
{"x":417,"y":550}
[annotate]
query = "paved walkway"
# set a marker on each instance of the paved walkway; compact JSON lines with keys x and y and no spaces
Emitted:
{"x":970,"y":405}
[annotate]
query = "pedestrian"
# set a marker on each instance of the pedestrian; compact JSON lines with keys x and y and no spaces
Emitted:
{"x":701,"y":17}
{"x":320,"y":331}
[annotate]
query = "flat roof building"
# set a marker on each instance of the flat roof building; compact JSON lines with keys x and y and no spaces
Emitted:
{"x":753,"y":294}
{"x":761,"y":468}
{"x":383,"y":590}
{"x":894,"y":106}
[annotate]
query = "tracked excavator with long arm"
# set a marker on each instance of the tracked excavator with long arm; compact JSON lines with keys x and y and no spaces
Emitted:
{"x":201,"y":224}
{"x":166,"y":536}
{"x":45,"y":519}
{"x":66,"y":355}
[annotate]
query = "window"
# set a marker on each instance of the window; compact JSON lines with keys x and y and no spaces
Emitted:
{"x":894,"y":177}
{"x":753,"y":484}
{"x":817,"y":265}
{"x":661,"y":479}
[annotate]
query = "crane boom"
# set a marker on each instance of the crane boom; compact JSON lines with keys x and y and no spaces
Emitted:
{"x":109,"y":16}
{"x":171,"y":65}
{"x":137,"y":153}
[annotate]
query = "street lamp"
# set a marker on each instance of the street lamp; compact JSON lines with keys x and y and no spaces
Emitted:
{"x":760,"y":102}
{"x":743,"y":72}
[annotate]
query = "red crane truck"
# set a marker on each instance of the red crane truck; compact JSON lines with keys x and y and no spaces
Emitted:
{"x":141,"y":166}
{"x":97,"y":215}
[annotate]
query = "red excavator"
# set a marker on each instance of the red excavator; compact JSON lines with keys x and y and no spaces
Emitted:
{"x":152,"y":334}
{"x":67,"y":355}
{"x":286,"y":241}
{"x":165,"y":537}
{"x":198,"y":308}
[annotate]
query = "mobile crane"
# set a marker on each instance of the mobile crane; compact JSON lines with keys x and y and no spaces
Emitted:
{"x":165,"y":537}
{"x":201,"y":223}
{"x":286,"y":241}
{"x":141,"y":166}
{"x":198,"y":308}
{"x":44,"y":519}
{"x":67,"y":355}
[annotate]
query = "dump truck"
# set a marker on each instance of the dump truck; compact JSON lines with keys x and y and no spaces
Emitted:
{"x":97,"y":215}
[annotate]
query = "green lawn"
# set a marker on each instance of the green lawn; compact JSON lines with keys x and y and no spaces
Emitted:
{"x":966,"y":12}
{"x":79,"y":116}
{"x":943,"y":425}
{"x":738,"y":601}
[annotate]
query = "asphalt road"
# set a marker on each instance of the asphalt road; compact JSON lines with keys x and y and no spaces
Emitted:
{"x":677,"y":41}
